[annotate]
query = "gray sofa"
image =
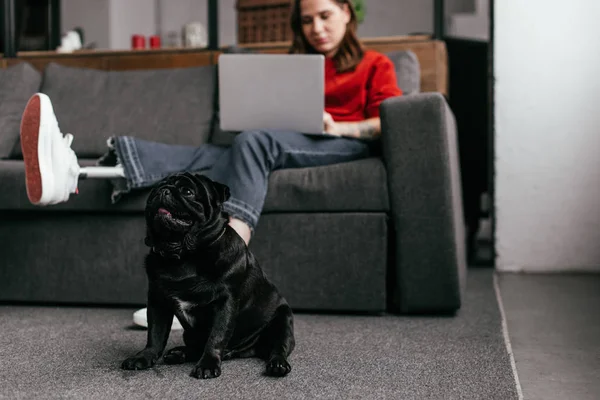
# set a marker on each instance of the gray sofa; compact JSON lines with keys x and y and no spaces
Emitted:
{"x":384,"y":234}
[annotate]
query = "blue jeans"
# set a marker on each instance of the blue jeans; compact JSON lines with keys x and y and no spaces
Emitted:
{"x":244,"y":166}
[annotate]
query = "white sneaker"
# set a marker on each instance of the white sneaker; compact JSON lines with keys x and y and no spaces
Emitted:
{"x":140,"y":318}
{"x":51,"y":168}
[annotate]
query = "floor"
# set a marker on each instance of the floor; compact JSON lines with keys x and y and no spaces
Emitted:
{"x":553,"y":324}
{"x":75,"y":353}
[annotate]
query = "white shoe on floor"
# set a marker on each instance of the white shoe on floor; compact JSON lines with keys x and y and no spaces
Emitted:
{"x":140,"y":318}
{"x":51,"y":168}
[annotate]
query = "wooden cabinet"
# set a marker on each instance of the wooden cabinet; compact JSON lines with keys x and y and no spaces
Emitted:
{"x":262,"y":21}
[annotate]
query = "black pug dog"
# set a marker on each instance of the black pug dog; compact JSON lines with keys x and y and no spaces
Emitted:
{"x":200,"y":270}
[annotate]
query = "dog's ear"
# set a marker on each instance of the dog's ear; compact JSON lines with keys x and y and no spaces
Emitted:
{"x":223,"y":191}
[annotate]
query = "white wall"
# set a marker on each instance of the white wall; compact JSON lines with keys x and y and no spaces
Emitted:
{"x":396,"y":17}
{"x":110,"y":23}
{"x":547,"y":135}
{"x":92,"y":15}
{"x":175,"y":13}
{"x":227,"y":22}
{"x":463,"y":18}
{"x":471,"y":23}
{"x":128,"y":18}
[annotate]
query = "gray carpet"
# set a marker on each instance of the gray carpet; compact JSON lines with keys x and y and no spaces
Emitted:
{"x":74,"y":353}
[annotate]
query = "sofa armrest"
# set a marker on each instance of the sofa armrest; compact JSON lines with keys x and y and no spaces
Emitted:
{"x":420,"y":152}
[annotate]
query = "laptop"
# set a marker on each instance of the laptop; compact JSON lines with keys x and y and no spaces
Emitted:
{"x":278,"y":92}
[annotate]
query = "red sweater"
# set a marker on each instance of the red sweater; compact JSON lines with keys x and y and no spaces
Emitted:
{"x":356,"y":95}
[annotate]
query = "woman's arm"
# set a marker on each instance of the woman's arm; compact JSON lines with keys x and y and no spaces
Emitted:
{"x":367,"y":129}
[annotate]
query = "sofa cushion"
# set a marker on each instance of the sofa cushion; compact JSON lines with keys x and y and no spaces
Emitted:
{"x":357,"y":186}
{"x":351,"y":186}
{"x":168,"y":105}
{"x":17,"y":84}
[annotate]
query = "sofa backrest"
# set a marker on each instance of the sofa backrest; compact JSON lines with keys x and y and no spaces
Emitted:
{"x":17,"y":84}
{"x":172,"y":106}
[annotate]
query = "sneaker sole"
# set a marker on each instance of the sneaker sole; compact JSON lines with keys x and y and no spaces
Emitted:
{"x":36,"y":152}
{"x":140,"y":321}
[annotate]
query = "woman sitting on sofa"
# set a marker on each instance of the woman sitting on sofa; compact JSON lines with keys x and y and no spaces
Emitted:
{"x":356,"y":82}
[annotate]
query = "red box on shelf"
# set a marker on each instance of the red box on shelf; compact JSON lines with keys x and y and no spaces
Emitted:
{"x":138,"y":42}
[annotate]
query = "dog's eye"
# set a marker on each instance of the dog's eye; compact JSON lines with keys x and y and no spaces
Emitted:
{"x":186,"y":191}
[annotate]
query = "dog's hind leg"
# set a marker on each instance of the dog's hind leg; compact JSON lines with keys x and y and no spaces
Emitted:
{"x":180,"y":355}
{"x":277,"y":342}
{"x":239,"y":354}
{"x":191,"y":352}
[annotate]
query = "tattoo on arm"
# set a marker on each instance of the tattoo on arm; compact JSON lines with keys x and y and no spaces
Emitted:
{"x":366,"y":130}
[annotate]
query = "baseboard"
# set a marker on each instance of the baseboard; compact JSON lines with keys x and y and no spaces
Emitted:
{"x":590,"y":269}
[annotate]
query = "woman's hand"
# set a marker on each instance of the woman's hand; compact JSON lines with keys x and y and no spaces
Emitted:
{"x":329,"y":125}
{"x":368,"y":129}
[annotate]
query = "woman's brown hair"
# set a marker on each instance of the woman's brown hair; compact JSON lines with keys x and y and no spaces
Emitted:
{"x":350,"y":52}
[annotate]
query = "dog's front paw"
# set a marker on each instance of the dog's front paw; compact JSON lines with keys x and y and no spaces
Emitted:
{"x":207,"y":367}
{"x":278,"y":366}
{"x":139,"y":361}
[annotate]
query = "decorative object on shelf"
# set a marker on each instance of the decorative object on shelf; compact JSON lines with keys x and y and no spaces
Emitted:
{"x":138,"y":42}
{"x":173,"y":39}
{"x":154,"y":42}
{"x":195,"y":35}
{"x":71,"y":41}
